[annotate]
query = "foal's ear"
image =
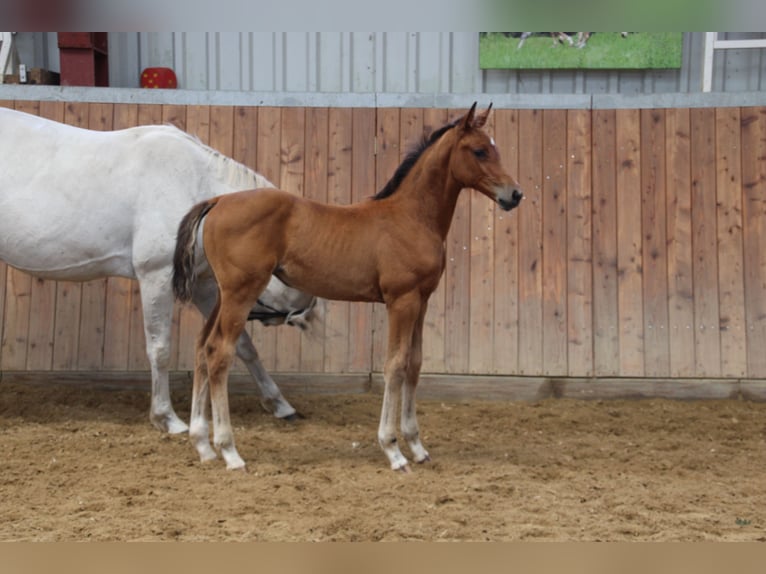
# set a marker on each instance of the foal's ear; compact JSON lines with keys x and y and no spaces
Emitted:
{"x":467,"y":121}
{"x":481,"y":119}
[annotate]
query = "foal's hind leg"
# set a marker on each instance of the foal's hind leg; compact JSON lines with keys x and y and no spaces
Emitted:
{"x":220,"y":347}
{"x":205,"y":295}
{"x":199,"y":434}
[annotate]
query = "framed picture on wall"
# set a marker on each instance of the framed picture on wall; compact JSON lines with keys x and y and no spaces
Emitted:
{"x":580,"y":50}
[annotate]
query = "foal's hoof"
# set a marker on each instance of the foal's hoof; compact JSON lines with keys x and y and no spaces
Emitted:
{"x":404,"y":469}
{"x":426,"y":458}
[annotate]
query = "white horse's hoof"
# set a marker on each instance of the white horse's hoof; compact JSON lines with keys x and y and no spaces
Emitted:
{"x":170,"y":423}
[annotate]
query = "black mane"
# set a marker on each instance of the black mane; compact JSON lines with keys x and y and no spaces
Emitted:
{"x":410,"y":160}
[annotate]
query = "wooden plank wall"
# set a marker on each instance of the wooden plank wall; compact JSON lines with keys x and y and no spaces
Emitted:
{"x":640,"y":250}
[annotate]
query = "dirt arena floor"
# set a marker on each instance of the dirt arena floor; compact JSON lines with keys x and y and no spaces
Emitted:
{"x":85,"y":464}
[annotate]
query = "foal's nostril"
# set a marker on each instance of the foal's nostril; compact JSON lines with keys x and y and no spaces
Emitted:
{"x":517,"y":195}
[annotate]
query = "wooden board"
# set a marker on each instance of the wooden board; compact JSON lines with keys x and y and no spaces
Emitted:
{"x":730,"y":261}
{"x":530,"y":220}
{"x":606,"y":350}
{"x":629,"y":243}
{"x":753,"y":124}
{"x":579,"y":245}
{"x":705,"y":244}
{"x":554,"y":278}
{"x":655,"y":284}
{"x":481,"y":241}
{"x":679,"y":243}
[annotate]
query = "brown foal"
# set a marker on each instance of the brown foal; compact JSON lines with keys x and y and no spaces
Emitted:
{"x":388,"y":249}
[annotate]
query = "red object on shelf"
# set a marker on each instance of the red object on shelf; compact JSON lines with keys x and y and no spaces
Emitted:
{"x":84,"y":58}
{"x":159,"y":78}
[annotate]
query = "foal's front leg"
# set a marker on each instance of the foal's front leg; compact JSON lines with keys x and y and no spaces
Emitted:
{"x":410,"y":428}
{"x":403,"y":315}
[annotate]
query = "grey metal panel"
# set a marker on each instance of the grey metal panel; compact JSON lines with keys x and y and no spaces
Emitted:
{"x":385,"y":62}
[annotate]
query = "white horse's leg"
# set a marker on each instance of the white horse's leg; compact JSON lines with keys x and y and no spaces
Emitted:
{"x":271,"y":397}
{"x":272,"y":400}
{"x":157,"y":302}
{"x":409,"y":423}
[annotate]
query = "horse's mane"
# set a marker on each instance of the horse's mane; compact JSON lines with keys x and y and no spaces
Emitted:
{"x":234,"y":173}
{"x":411,"y":159}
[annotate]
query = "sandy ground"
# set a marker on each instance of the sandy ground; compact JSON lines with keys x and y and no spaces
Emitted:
{"x":85,"y":464}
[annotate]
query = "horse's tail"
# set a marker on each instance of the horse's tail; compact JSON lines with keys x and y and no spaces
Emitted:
{"x":186,"y":242}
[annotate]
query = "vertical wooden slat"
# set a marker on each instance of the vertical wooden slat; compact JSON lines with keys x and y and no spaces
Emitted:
{"x":387,"y":159}
{"x":268,"y":164}
{"x":482,"y":277}
{"x":174,"y":114}
{"x":505,"y":227}
{"x":554,"y":243}
{"x":339,"y":167}
{"x":435,"y":321}
{"x":754,"y":214}
{"x":119,"y":290}
{"x":730,"y":262}
{"x":707,"y":337}
{"x":291,"y":179}
{"x":605,"y":304}
{"x":93,"y":311}
{"x":530,"y":243}
{"x":362,"y":186}
{"x":679,"y":243}
{"x":656,"y":338}
{"x":18,"y":290}
{"x":315,"y":188}
{"x":629,"y":256}
{"x":580,"y":244}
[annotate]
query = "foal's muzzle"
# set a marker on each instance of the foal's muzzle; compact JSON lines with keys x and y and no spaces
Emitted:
{"x":510,"y":200}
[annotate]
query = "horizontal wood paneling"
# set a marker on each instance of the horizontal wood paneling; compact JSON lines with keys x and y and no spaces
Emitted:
{"x":639,"y":250}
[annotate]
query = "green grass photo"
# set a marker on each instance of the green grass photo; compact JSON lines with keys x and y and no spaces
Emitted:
{"x":573,"y":50}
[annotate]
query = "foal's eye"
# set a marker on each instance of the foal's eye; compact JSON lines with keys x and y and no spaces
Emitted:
{"x":480,"y":153}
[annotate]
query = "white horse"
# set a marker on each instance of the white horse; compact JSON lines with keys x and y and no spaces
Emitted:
{"x":79,"y":204}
